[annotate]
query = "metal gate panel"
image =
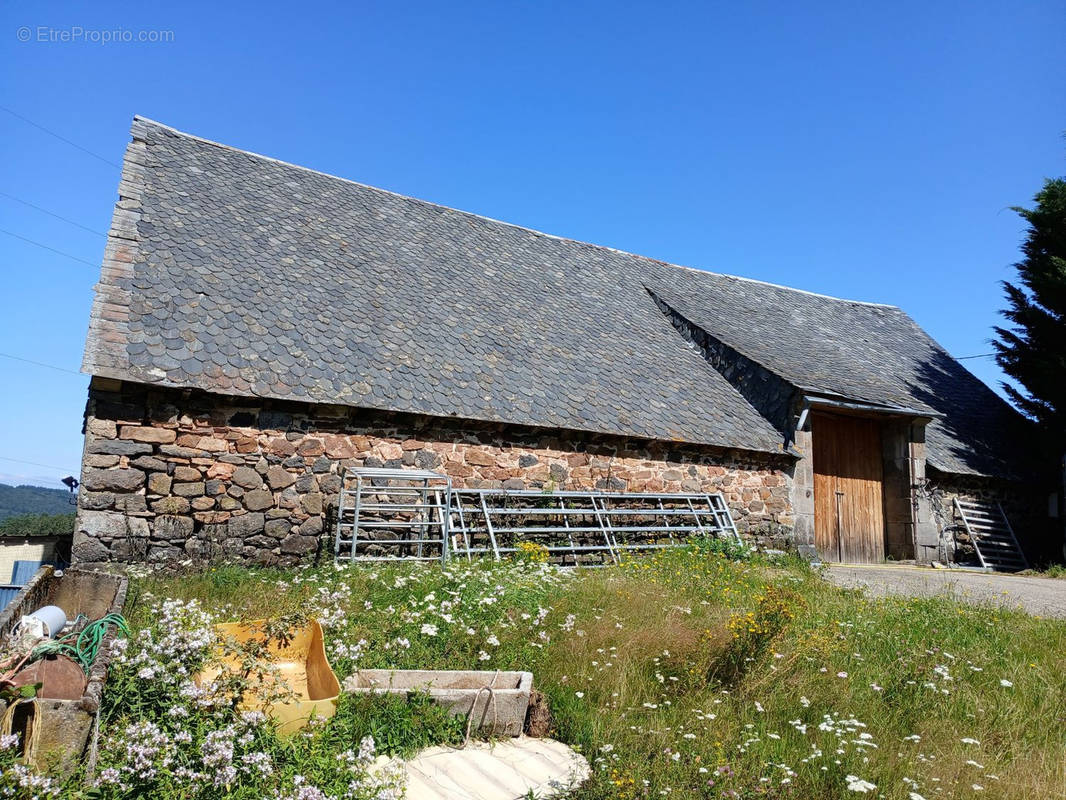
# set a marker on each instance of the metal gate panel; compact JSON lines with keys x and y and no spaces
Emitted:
{"x":392,"y":514}
{"x":396,"y":514}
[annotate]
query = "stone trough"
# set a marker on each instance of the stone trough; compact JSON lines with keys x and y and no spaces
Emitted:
{"x":59,"y":728}
{"x":494,"y":702}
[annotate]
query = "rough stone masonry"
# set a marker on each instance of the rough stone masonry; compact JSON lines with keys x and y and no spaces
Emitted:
{"x":170,"y":475}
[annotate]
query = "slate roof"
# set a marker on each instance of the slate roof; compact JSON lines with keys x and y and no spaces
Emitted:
{"x":857,"y":351}
{"x":237,"y":274}
{"x":243,"y":275}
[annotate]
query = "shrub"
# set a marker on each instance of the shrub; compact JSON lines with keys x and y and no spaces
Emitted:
{"x":532,"y":552}
{"x":724,"y":546}
{"x":753,"y":631}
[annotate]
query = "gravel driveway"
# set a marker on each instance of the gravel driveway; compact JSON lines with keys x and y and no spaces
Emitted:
{"x":1045,"y":597}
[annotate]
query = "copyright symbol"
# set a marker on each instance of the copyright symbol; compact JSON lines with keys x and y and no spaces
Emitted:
{"x":23,"y":34}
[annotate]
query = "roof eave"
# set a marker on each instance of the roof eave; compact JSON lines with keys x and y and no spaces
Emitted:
{"x":818,"y":398}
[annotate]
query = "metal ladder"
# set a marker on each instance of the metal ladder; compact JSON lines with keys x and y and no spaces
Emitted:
{"x":992,"y":535}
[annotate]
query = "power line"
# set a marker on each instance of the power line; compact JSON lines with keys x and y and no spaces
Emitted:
{"x":981,"y":355}
{"x":41,"y":364}
{"x":46,"y":247}
{"x":35,"y":464}
{"x":52,"y":214}
{"x":61,"y":138}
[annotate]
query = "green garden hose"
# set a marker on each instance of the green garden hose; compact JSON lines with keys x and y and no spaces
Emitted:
{"x":85,"y":646}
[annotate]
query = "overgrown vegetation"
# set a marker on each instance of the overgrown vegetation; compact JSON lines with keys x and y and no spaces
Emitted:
{"x":685,"y":674}
{"x":38,"y":525}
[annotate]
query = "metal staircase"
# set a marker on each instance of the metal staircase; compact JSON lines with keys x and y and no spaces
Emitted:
{"x":992,"y":535}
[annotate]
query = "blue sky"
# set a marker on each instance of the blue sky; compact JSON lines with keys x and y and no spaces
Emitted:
{"x":868,"y":151}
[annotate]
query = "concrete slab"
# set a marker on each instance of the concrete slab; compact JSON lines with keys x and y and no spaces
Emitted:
{"x":505,"y":770}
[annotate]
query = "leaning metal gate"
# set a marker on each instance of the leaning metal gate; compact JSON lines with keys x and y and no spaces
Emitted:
{"x":395,"y":514}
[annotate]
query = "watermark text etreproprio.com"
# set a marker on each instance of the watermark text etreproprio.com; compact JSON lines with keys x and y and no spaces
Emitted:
{"x":47,"y":34}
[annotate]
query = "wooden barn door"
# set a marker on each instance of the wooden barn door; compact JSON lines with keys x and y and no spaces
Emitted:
{"x":849,"y":524}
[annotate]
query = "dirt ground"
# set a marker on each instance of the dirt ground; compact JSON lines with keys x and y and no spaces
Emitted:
{"x":1045,"y":597}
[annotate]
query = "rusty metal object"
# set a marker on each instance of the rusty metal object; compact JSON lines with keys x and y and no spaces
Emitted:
{"x":60,"y":677}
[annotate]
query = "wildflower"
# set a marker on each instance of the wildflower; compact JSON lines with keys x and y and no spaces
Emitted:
{"x":1005,"y":682}
{"x":579,"y":695}
{"x":259,"y":762}
{"x":367,"y":749}
{"x":429,"y":630}
{"x":968,"y":740}
{"x":856,"y":784}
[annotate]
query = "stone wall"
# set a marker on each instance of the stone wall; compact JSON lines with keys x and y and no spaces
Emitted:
{"x":171,"y":475}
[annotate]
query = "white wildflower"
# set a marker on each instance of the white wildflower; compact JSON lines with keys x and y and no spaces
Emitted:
{"x":857,"y":784}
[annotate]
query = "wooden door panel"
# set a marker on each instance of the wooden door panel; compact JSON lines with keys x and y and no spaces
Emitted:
{"x":848,"y":495}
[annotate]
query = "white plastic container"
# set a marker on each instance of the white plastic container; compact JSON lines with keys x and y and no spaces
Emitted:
{"x":53,"y":618}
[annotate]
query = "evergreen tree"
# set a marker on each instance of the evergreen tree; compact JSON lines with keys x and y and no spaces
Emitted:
{"x":1033,"y":350}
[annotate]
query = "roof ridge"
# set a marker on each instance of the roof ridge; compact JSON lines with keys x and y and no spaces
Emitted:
{"x":608,"y":248}
{"x":791,"y":288}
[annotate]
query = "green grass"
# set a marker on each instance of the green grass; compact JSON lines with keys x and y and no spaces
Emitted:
{"x":1049,"y":571}
{"x":688,"y":674}
{"x":400,"y":725}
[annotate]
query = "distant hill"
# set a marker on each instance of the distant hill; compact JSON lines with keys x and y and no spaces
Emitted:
{"x":17,"y":500}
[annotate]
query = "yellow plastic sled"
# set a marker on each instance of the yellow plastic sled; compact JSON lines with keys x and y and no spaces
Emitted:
{"x":301,"y":664}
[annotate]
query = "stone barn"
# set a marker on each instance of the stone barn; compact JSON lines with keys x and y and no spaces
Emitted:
{"x":259,"y":326}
